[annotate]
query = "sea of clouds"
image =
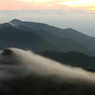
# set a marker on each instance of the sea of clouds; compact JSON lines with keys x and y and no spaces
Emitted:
{"x":25,"y":73}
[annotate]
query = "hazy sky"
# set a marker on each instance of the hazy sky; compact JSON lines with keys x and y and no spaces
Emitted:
{"x":77,"y":14}
{"x":88,"y":5}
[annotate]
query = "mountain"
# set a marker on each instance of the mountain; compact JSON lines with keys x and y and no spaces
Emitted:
{"x":36,"y":40}
{"x":64,"y":44}
{"x":48,"y":45}
{"x":4,"y":25}
{"x":72,"y":58}
{"x":10,"y":36}
{"x":70,"y":33}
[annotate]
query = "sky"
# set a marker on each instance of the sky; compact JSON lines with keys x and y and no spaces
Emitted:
{"x":87,"y":5}
{"x":76,"y":14}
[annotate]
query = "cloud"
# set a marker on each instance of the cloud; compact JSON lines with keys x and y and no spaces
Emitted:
{"x":22,"y":71}
{"x":46,"y":11}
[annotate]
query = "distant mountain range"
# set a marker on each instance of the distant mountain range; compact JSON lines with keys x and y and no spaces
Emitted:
{"x":32,"y":35}
{"x":41,"y":37}
{"x":64,"y":45}
{"x":63,"y":39}
{"x":73,"y":58}
{"x":64,"y":33}
{"x":10,"y":36}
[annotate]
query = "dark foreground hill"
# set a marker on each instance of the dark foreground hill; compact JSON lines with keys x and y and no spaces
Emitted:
{"x":73,"y":58}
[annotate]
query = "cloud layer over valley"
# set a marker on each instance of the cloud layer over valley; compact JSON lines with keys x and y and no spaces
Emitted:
{"x":23,"y":72}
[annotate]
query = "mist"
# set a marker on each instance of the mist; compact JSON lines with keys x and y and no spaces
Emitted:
{"x":81,"y":22}
{"x":37,"y":74}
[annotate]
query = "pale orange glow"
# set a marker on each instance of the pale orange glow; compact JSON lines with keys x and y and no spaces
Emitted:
{"x":26,"y":0}
{"x":47,"y":4}
{"x":33,"y":0}
{"x":92,"y":8}
{"x":79,"y":3}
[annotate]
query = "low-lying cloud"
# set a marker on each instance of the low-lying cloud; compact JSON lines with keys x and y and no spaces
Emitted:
{"x":23,"y":72}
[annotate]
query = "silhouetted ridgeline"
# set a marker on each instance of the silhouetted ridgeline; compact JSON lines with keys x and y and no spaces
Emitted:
{"x":91,"y":70}
{"x":10,"y":36}
{"x":73,"y":58}
{"x":19,"y":34}
{"x":42,"y":37}
{"x":63,"y":44}
{"x":70,"y":33}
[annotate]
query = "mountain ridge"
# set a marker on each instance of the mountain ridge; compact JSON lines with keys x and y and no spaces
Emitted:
{"x":72,"y":58}
{"x":13,"y":37}
{"x":62,"y":43}
{"x":84,"y":39}
{"x":59,"y":44}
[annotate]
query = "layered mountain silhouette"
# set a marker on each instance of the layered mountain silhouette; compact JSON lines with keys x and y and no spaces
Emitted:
{"x":10,"y":36}
{"x":70,"y":33}
{"x":73,"y":58}
{"x":41,"y":37}
{"x":37,"y":40}
{"x":64,"y":45}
